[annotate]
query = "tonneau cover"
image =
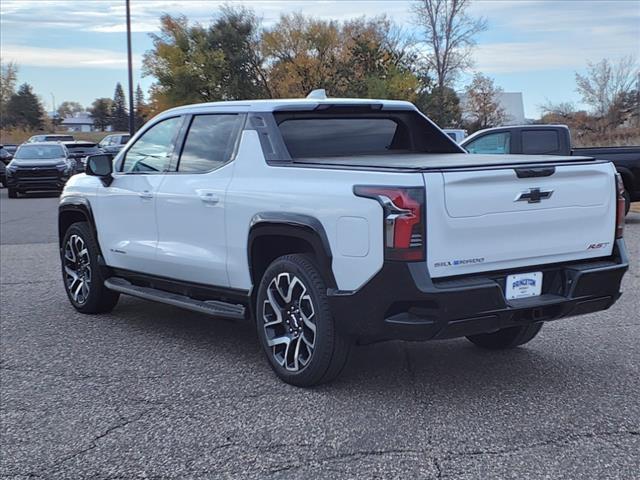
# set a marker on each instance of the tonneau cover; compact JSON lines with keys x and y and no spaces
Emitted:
{"x":421,"y":161}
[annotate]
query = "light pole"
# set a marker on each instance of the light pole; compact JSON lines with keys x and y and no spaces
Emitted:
{"x":132,"y":125}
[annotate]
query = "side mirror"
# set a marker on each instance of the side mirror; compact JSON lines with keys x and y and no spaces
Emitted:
{"x":100,"y":166}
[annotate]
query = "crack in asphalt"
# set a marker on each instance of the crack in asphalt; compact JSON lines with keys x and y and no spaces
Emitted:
{"x":93,"y":444}
{"x":569,"y":438}
{"x":347,"y":455}
{"x":449,"y":455}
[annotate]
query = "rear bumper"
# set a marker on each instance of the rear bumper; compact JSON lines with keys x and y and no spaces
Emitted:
{"x":402,"y":302}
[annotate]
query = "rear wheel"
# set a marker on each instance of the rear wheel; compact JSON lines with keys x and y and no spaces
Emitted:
{"x":12,"y":192}
{"x":295,"y":325}
{"x":627,"y":201}
{"x":507,"y":337}
{"x":82,"y":276}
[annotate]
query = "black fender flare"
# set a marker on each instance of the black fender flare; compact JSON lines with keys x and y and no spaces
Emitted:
{"x":76,"y":205}
{"x":296,"y":225}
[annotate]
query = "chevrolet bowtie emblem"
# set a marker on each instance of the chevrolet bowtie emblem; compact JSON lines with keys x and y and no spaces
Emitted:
{"x":534,"y":195}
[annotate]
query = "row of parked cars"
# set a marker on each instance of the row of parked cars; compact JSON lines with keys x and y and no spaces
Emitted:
{"x":45,"y":162}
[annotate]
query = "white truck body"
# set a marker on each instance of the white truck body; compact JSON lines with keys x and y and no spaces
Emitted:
{"x":413,"y":237}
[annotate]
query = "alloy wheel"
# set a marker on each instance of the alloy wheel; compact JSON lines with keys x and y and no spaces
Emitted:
{"x":77,"y":269}
{"x":289,"y":324}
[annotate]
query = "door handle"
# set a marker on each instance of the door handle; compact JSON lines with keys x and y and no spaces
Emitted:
{"x":145,"y":195}
{"x":209,"y":198}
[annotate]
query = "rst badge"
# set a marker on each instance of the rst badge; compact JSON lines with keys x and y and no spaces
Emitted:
{"x":522,"y":285}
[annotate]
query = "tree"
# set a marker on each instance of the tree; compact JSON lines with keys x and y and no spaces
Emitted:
{"x":24,"y":109}
{"x":442,"y":106}
{"x":141,"y":112}
{"x":236,"y":33}
{"x":449,"y":35}
{"x":606,"y":81}
{"x":119,"y":113}
{"x":68,"y":109}
{"x":193,"y":63}
{"x":483,"y":103}
{"x":101,"y":112}
{"x":359,"y":58}
{"x":8,"y":80}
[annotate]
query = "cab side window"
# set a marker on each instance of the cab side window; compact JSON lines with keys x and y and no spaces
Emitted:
{"x":494,"y":144}
{"x":210,"y":142}
{"x":152,"y":151}
{"x":543,"y":142}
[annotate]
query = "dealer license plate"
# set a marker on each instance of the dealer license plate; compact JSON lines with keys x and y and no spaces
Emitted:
{"x":522,"y":285}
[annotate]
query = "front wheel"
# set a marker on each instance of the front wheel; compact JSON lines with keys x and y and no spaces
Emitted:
{"x":12,"y":193}
{"x":83,"y":280}
{"x":507,"y":337}
{"x":295,"y":325}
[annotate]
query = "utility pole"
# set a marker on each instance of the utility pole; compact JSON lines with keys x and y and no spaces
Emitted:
{"x":132,"y":123}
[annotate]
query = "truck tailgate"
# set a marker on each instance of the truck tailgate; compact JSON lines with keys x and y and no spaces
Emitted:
{"x":488,"y":220}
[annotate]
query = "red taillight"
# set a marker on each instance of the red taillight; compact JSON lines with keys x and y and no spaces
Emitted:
{"x":620,"y":207}
{"x":403,"y":210}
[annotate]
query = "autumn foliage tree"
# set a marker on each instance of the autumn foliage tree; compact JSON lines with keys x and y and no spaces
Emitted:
{"x":235,"y":58}
{"x":358,"y":58}
{"x":482,"y":103}
{"x":194,"y":63}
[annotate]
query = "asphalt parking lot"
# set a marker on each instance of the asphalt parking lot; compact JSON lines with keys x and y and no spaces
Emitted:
{"x":151,"y":391}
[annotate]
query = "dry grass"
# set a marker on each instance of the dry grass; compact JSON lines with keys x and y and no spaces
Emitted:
{"x":615,"y":138}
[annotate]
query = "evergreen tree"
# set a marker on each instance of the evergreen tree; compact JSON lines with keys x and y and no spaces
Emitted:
{"x":141,"y":108}
{"x":24,"y":109}
{"x":119,"y":114}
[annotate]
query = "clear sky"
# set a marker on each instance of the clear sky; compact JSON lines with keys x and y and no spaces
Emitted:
{"x":76,"y":49}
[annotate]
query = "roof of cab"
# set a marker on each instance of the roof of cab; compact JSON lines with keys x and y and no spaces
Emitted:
{"x":287,"y":103}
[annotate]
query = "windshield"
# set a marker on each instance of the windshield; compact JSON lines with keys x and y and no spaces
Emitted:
{"x":39,"y":152}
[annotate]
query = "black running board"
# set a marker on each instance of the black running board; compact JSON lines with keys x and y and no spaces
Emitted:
{"x":209,"y":307}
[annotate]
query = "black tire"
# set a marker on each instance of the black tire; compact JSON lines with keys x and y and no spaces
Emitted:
{"x":627,"y":201}
{"x":318,"y":363}
{"x":97,"y":299}
{"x":12,"y":192}
{"x":507,"y":337}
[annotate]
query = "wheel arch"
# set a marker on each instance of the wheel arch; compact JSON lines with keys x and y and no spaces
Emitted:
{"x":273,"y":234}
{"x":627,"y":179}
{"x":72,"y":210}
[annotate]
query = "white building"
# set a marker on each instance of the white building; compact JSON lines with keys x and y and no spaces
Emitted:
{"x":79,"y":122}
{"x":513,"y":105}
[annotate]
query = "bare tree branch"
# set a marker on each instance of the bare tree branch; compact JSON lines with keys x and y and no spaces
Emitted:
{"x":449,"y":34}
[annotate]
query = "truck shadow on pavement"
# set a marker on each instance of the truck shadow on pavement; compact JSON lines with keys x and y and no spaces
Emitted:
{"x":454,"y":367}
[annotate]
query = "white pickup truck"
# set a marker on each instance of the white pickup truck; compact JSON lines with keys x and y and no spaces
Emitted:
{"x":330,"y":221}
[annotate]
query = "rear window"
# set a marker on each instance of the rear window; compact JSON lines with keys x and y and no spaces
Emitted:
{"x":338,"y":131}
{"x":327,"y":137}
{"x":58,"y":138}
{"x":541,"y":142}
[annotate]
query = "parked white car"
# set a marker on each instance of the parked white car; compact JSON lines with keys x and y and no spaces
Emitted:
{"x":328,"y":221}
{"x":458,"y":134}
